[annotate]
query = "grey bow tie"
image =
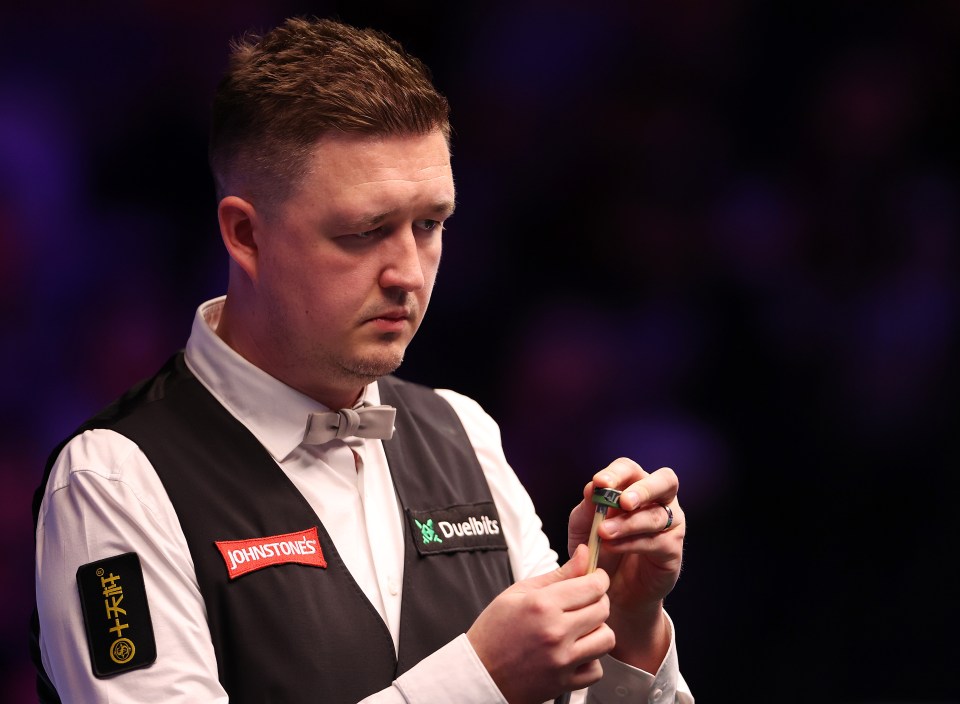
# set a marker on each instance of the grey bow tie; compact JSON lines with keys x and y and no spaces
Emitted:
{"x":364,"y":422}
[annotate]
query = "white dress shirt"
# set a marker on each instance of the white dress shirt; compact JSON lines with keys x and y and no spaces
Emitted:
{"x":104,"y":498}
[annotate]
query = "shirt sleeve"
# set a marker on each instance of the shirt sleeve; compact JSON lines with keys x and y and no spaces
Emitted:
{"x":452,"y":674}
{"x":103,"y":499}
{"x":531,"y":555}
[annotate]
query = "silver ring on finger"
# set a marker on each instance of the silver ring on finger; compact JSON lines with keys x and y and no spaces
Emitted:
{"x":669,"y":516}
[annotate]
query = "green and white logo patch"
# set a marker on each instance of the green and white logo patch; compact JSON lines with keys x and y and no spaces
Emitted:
{"x":427,"y":533}
{"x":457,"y":528}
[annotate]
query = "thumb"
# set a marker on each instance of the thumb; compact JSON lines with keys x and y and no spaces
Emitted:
{"x":576,"y":566}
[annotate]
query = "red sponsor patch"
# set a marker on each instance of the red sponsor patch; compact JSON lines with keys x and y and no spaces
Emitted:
{"x":242,"y":556}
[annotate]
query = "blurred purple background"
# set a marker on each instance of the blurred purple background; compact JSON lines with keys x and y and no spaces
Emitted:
{"x":716,"y":235}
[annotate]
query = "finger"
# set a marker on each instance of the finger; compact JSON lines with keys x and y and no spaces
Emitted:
{"x":618,"y":474}
{"x":580,"y":592}
{"x":664,"y":547}
{"x":576,"y":566}
{"x":588,"y":648}
{"x":650,"y":519}
{"x":565,"y":630}
{"x":660,"y":487}
{"x":663,"y":555}
{"x":655,"y":545}
{"x":586,"y":674}
{"x":591,"y":645}
{"x":581,"y":517}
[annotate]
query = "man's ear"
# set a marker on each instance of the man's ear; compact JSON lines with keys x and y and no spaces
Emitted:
{"x":239,"y":225}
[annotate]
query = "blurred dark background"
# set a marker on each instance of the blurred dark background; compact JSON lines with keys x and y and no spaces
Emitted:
{"x":717,"y":235}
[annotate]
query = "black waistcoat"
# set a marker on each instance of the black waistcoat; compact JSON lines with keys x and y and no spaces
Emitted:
{"x":294,"y":633}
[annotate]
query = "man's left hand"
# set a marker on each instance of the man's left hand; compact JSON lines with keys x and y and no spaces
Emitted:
{"x":641,"y":557}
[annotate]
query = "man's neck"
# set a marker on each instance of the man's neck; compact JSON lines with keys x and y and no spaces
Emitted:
{"x":334,"y":396}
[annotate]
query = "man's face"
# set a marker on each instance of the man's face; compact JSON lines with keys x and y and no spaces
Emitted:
{"x":347,"y":264}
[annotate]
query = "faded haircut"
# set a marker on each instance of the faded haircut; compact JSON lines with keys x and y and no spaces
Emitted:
{"x":306,"y":78}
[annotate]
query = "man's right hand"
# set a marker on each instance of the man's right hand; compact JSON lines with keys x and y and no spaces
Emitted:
{"x":544,"y":635}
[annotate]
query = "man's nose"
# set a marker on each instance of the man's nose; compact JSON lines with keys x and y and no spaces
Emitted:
{"x":403,"y":267}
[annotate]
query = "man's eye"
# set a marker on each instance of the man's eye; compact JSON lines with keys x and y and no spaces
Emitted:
{"x":428,"y":225}
{"x":368,"y":234}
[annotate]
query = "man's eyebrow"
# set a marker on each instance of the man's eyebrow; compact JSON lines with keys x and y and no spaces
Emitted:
{"x":370,"y":222}
{"x":442,"y":209}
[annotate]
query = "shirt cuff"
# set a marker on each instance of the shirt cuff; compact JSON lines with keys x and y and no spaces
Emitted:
{"x":453,"y":673}
{"x":624,"y":683}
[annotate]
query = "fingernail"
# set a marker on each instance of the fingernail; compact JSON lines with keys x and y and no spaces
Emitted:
{"x":632,"y":500}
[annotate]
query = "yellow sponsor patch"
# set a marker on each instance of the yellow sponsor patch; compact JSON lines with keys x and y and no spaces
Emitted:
{"x":116,"y":615}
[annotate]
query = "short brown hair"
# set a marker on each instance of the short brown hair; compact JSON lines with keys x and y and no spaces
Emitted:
{"x":285,"y":90}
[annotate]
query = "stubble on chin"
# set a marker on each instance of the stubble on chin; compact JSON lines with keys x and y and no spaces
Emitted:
{"x":369,"y":369}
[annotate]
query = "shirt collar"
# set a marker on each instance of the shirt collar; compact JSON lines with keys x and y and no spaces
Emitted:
{"x":275,"y":413}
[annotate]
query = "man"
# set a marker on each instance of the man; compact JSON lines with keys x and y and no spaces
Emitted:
{"x":220,"y":534}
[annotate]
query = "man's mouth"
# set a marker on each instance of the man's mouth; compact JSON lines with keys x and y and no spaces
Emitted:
{"x":393,"y":314}
{"x":392,"y":320}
